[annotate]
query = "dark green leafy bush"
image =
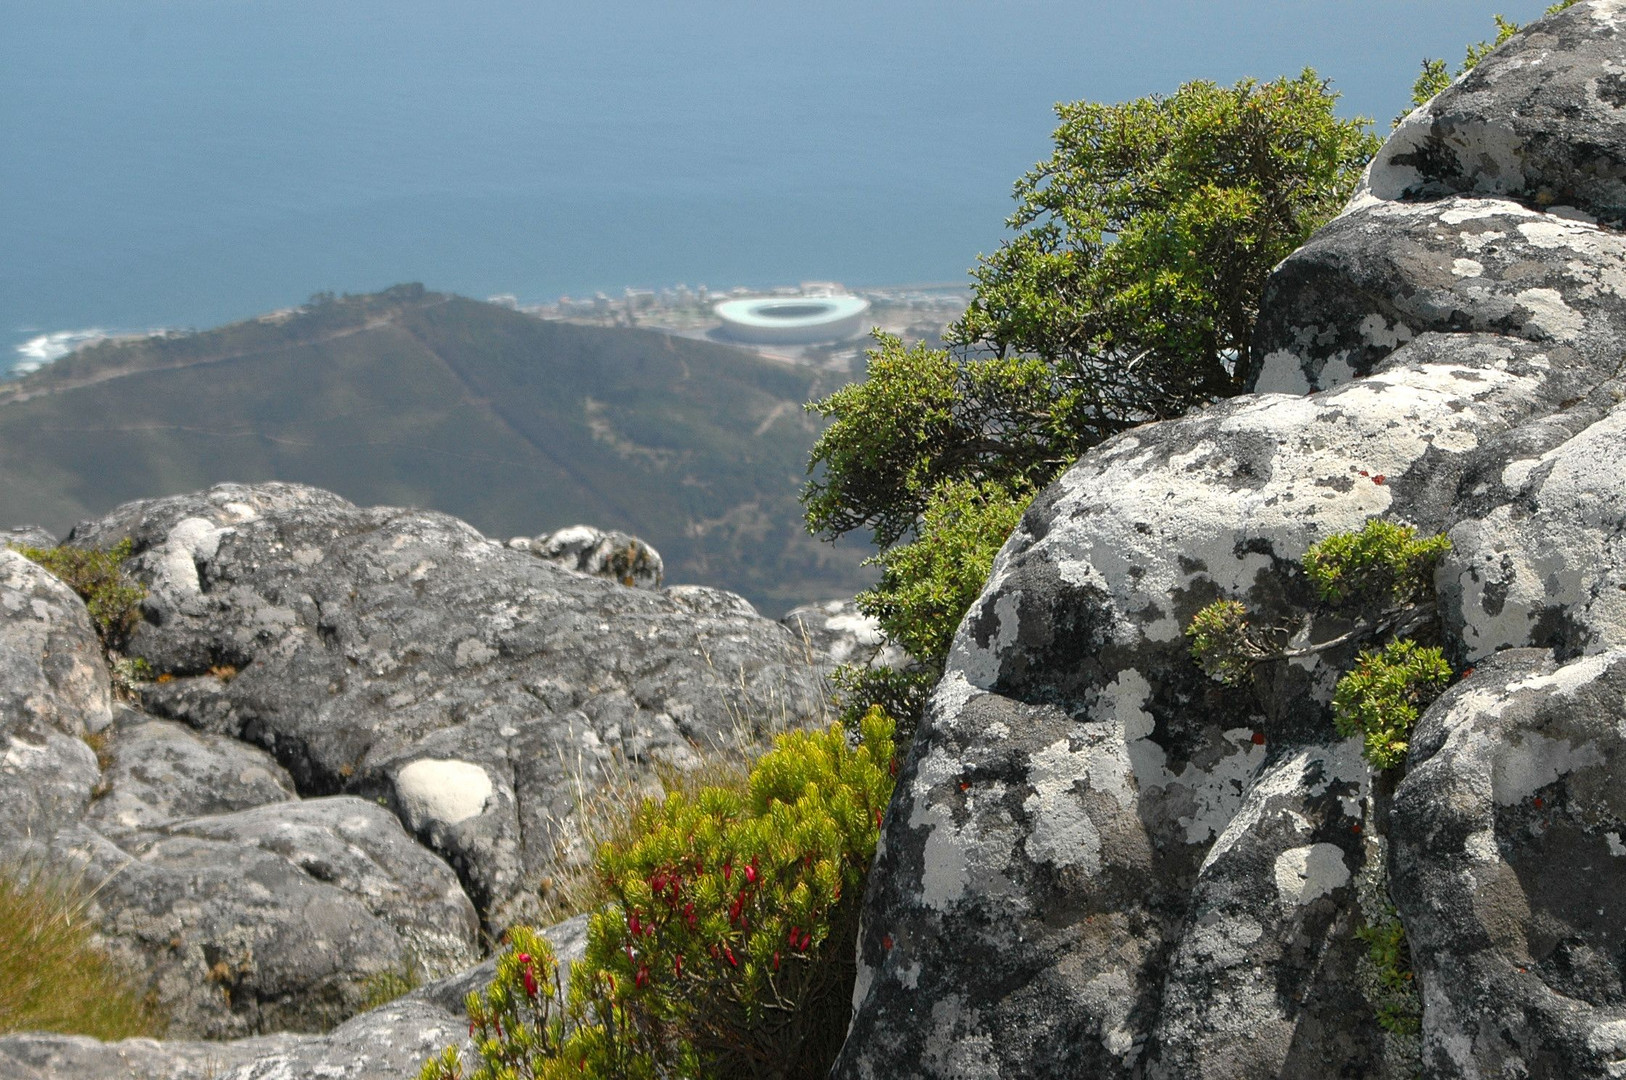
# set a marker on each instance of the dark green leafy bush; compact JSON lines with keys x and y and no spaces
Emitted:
{"x":727,"y":949}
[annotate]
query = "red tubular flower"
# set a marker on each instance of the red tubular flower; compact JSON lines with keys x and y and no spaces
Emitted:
{"x":689,"y":916}
{"x":677,"y":966}
{"x":633,"y":924}
{"x":529,"y":980}
{"x":728,"y":954}
{"x":728,"y":870}
{"x":751,"y":872}
{"x":642,"y":978}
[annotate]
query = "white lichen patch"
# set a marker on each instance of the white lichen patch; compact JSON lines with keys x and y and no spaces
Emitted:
{"x":1534,"y":761}
{"x":192,"y":541}
{"x":1550,"y":317}
{"x":1304,"y":874}
{"x":1616,"y":848}
{"x":1467,"y":268}
{"x":441,"y":790}
{"x":1062,"y":832}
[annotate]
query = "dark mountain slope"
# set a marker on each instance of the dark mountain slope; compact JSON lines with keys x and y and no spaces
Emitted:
{"x":415,"y":398}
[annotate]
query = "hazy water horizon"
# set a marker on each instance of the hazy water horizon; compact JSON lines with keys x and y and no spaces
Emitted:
{"x":183,"y":164}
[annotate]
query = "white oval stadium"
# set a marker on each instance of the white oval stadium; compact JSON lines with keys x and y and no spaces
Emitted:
{"x":792,"y":320}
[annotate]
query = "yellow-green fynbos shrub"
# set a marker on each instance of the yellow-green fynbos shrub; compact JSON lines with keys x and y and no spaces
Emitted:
{"x":728,"y":947}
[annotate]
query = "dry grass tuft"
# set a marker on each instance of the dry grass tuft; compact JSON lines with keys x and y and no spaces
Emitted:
{"x":52,"y":975}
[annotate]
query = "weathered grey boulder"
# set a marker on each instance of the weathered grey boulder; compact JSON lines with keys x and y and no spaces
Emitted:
{"x":1510,"y":869}
{"x":837,"y":631}
{"x":54,"y":691}
{"x":606,"y":553}
{"x":282,"y":917}
{"x":1540,"y":122}
{"x":1100,"y":863}
{"x":399,"y":655}
{"x":159,"y":772}
{"x":21,"y":536}
{"x":387,"y":1043}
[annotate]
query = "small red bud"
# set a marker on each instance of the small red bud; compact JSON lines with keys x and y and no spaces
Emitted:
{"x":776,"y":959}
{"x":1259,"y":738}
{"x":751,"y":873}
{"x":1379,"y":478}
{"x":524,"y":958}
{"x":886,"y":942}
{"x":728,"y":870}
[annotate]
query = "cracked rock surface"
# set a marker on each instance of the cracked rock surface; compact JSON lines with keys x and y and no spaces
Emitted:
{"x":1100,"y":863}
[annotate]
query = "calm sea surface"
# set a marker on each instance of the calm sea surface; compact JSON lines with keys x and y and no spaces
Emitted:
{"x":183,"y":164}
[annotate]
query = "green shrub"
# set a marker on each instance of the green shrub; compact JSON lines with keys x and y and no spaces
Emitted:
{"x":52,"y":976}
{"x":113,"y":600}
{"x":1382,"y":697}
{"x":727,"y":948}
{"x":1383,"y":564}
{"x":1394,"y":995}
{"x":1382,"y":571}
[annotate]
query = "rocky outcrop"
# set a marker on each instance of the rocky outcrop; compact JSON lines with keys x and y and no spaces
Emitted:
{"x":602,"y":553}
{"x":838,"y":633}
{"x":1100,"y":863}
{"x":361,"y":742}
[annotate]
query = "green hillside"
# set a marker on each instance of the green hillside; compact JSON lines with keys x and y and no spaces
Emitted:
{"x":414,"y":398}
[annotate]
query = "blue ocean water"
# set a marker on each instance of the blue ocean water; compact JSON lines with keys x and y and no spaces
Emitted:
{"x":186,"y":162}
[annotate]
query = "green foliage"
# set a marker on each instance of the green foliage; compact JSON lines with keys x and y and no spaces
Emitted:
{"x":1222,"y":644}
{"x":1128,"y":293}
{"x":1382,"y":564}
{"x":52,"y":976}
{"x":728,"y":946}
{"x":113,"y":600}
{"x":1383,"y":571}
{"x":386,"y":986}
{"x":1435,"y":76}
{"x":1382,"y":697}
{"x":899,"y":693}
{"x":1397,"y":1002}
{"x":927,"y":585}
{"x":1145,"y":239}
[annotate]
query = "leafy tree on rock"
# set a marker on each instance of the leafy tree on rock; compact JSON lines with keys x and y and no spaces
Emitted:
{"x":1127,"y":294}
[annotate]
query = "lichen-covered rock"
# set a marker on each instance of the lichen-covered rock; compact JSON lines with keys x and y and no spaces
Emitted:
{"x":400,"y":655}
{"x":21,"y":536}
{"x":1098,"y":862}
{"x":159,"y":771}
{"x":278,"y":918}
{"x":1539,"y":121}
{"x":841,"y":634}
{"x":54,"y":691}
{"x":606,"y":553}
{"x":1510,"y":869}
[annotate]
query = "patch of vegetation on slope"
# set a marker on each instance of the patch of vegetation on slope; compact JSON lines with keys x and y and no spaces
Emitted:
{"x":409,"y":397}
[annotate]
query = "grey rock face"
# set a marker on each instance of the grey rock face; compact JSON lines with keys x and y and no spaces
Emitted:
{"x":54,"y":690}
{"x":1098,"y":862}
{"x":159,"y":772}
{"x":279,"y":917}
{"x":837,"y":631}
{"x":1510,"y":869}
{"x":400,"y":655}
{"x":27,"y":536}
{"x":606,"y":553}
{"x":1538,"y":121}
